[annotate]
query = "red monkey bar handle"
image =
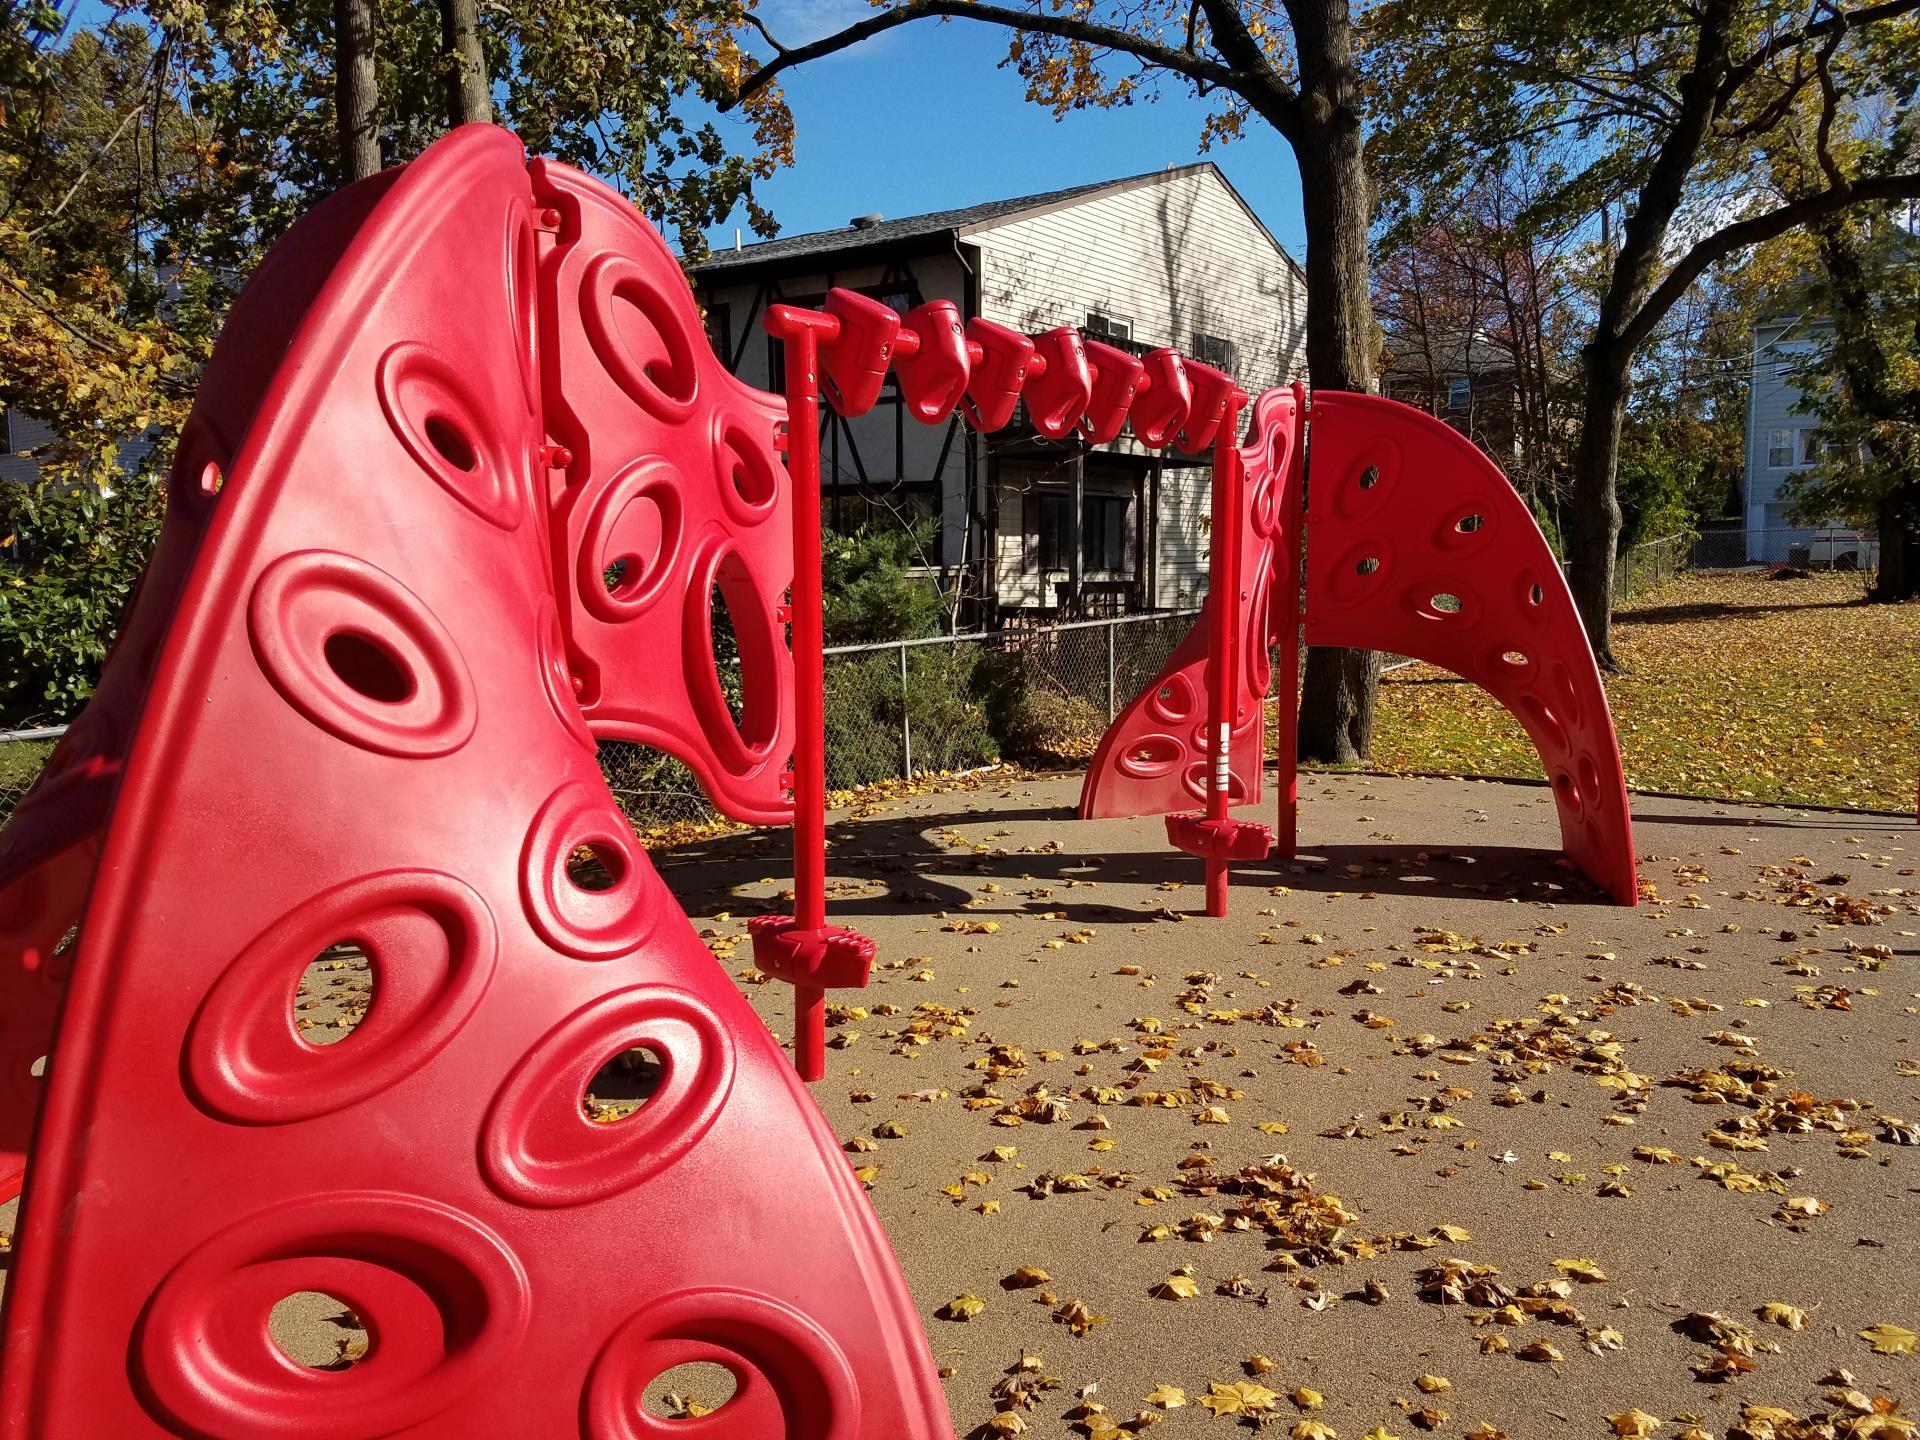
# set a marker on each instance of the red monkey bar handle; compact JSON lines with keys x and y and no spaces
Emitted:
{"x":802,"y":948}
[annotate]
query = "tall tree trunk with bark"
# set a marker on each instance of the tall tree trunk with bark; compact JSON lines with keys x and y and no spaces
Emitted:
{"x":469,"y":92}
{"x":1898,"y":576}
{"x":356,"y":93}
{"x":1593,"y":520}
{"x":1339,"y":688}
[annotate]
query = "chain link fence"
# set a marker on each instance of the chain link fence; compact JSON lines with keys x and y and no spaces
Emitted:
{"x":947,"y":703}
{"x":953,"y":702}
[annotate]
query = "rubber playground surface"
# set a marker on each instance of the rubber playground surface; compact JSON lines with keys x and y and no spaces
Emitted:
{"x":1425,"y":1137}
{"x":1071,"y":1094}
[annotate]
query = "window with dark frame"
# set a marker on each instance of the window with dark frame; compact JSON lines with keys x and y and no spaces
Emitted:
{"x":1103,"y":533}
{"x":1115,"y":329}
{"x":1213,"y":350}
{"x":1459,"y":392}
{"x":1053,"y":512}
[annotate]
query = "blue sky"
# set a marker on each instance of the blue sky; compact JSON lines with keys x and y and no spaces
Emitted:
{"x":920,"y":119}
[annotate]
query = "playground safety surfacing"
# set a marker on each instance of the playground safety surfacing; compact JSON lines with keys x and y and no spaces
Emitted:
{"x":1454,"y":1030}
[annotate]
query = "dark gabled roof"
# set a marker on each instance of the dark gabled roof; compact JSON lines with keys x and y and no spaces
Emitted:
{"x":887,"y":234}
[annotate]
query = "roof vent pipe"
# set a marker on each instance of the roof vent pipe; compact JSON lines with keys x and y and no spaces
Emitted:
{"x":866,"y":222}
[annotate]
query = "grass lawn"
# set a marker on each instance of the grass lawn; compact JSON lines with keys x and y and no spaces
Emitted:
{"x":1739,"y":686}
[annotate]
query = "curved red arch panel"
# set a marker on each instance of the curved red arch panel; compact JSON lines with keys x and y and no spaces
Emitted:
{"x":1156,"y":756}
{"x":359,"y":727}
{"x":1422,"y":548}
{"x":665,"y":486}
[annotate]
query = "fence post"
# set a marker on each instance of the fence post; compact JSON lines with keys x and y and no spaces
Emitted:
{"x":1111,"y":701}
{"x":906,"y":724}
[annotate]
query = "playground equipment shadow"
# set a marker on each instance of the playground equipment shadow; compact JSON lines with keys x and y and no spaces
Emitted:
{"x":1419,"y":908}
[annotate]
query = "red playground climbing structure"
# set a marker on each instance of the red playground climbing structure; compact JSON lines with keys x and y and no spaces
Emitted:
{"x":461,"y":482}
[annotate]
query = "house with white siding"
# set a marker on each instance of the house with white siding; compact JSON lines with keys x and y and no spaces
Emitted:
{"x":1783,"y":437}
{"x":1023,"y":527}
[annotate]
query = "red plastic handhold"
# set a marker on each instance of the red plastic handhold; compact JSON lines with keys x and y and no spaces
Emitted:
{"x":1164,"y":400}
{"x":1423,"y":549}
{"x":1057,"y":396}
{"x":999,"y":372}
{"x":1212,"y":389}
{"x":853,"y":364}
{"x":363,"y":640}
{"x":933,"y":379}
{"x":829,"y":957}
{"x":1117,"y":378}
{"x":1219,"y":839}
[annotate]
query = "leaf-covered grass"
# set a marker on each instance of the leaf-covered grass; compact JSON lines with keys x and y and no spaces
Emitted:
{"x":1740,"y":686}
{"x":20,"y":761}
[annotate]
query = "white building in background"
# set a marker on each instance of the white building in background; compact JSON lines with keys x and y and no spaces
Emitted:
{"x":1026,"y":527}
{"x":1784,"y":438}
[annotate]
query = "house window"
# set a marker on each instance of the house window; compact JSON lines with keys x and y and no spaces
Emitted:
{"x":1053,"y":512}
{"x":1103,"y":533}
{"x":1114,"y":329}
{"x":1779,"y":449}
{"x":1213,"y":350}
{"x":720,"y":332}
{"x":1812,"y":447}
{"x":1459,"y":392}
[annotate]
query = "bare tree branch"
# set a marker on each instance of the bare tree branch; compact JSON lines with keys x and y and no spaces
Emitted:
{"x":1067,"y":27}
{"x":1752,"y":231}
{"x":1740,"y":73}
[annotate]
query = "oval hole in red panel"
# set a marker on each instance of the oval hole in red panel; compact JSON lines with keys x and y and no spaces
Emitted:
{"x":357,"y":653}
{"x":433,"y":410}
{"x":1173,"y":702}
{"x":1589,"y":778}
{"x":1150,"y":757}
{"x":539,"y":1147}
{"x":643,"y":337}
{"x":1566,"y":791}
{"x":741,"y":726}
{"x":429,"y":947}
{"x":631,"y":541}
{"x":791,"y":1379}
{"x":444,"y":1302}
{"x":748,"y":472}
{"x":1566,"y":697}
{"x":1549,"y":734}
{"x":596,"y":920}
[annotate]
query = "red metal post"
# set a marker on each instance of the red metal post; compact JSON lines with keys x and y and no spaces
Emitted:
{"x":1286,"y":611}
{"x":803,"y":949}
{"x":1223,"y":669}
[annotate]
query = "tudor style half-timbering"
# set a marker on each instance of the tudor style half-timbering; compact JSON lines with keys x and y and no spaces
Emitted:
{"x":1026,"y":528}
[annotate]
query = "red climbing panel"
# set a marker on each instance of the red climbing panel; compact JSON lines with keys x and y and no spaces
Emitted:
{"x":1156,"y":756}
{"x":664,"y":483}
{"x":1423,"y":549}
{"x":359,"y":727}
{"x":48,"y":848}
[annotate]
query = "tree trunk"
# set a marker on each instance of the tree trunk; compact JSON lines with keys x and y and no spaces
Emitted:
{"x":469,"y":92}
{"x":1898,"y":577}
{"x":1339,"y":688}
{"x":1593,"y":526}
{"x":356,"y":94}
